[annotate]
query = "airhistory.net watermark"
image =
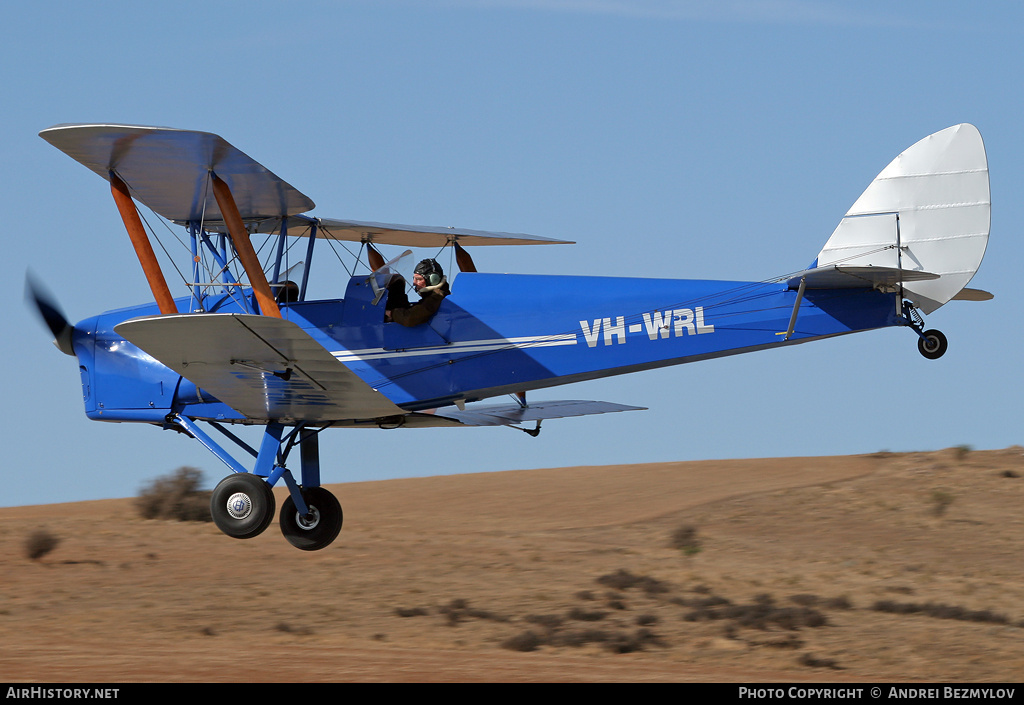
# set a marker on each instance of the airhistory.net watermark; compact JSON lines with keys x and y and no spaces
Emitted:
{"x":50,"y":693}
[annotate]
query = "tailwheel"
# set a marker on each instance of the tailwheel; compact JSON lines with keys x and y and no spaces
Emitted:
{"x":315,"y":530}
{"x":242,"y":505}
{"x":932,"y":344}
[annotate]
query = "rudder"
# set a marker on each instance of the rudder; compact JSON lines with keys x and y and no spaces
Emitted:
{"x":929,"y":211}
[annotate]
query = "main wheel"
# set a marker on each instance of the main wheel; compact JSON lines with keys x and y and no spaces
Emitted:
{"x":242,"y":505}
{"x":317,"y":529}
{"x":933,"y":345}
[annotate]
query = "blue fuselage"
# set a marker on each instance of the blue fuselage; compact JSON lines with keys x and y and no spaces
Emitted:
{"x":495,"y":334}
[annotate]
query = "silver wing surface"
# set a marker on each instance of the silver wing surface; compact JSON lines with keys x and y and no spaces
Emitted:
{"x":169,"y":170}
{"x":263,"y":367}
{"x":513,"y":414}
{"x":401,"y":235}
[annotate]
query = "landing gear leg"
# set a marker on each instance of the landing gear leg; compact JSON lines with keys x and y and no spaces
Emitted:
{"x":243,"y":504}
{"x":931,"y":343}
{"x":311,"y":517}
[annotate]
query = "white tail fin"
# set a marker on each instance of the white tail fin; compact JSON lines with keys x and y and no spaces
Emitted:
{"x":928,"y":211}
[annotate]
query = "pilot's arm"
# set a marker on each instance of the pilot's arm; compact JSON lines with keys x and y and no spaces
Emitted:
{"x":420,"y":312}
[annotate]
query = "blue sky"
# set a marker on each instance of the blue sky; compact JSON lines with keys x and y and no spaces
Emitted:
{"x":718,"y":140}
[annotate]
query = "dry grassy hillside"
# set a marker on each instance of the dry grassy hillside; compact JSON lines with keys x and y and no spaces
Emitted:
{"x":882,"y":567}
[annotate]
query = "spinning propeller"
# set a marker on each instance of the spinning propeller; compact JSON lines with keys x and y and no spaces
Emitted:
{"x":51,"y":314}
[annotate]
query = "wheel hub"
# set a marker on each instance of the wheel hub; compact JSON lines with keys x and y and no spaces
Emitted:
{"x":239,"y":505}
{"x":309,"y":521}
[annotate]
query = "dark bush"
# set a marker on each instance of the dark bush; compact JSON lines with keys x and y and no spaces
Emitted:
{"x":941,"y":611}
{"x":623,"y":580}
{"x":761,"y":614}
{"x":685,"y":539}
{"x":526,"y":641}
{"x":176,"y":496}
{"x":579,"y":637}
{"x":39,"y":543}
{"x":458,"y":610}
{"x":815,"y":662}
{"x":619,"y":580}
{"x":548,"y":621}
{"x":839,"y":603}
{"x":583,"y":615}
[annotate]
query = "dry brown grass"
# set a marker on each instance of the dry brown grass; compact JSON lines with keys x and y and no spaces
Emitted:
{"x":807,"y":569}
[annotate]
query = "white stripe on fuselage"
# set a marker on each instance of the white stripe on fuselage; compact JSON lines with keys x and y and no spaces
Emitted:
{"x":489,"y":345}
{"x":656,"y":325}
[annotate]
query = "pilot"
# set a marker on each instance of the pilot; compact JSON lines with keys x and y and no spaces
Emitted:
{"x":429,"y":282}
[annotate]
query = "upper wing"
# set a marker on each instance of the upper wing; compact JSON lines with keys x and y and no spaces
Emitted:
{"x":266,"y":368}
{"x":169,"y":170}
{"x":394,"y":234}
{"x":426,"y":236}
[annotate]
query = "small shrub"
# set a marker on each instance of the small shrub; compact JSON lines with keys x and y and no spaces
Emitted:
{"x":39,"y":543}
{"x":941,"y":611}
{"x":548,"y":621}
{"x":685,"y":539}
{"x":526,"y":641}
{"x":805,"y":600}
{"x":286,"y":628}
{"x":619,"y":580}
{"x":815,"y":662}
{"x":458,"y":610}
{"x":624,"y":644}
{"x":940,"y":502}
{"x":583,"y":615}
{"x":176,"y":496}
{"x":789,"y":641}
{"x":762,"y":614}
{"x":623,"y":580}
{"x":839,"y":603}
{"x":836,"y":603}
{"x":579,"y":637}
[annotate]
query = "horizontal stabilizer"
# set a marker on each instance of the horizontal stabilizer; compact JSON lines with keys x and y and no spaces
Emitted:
{"x":840,"y":277}
{"x":510,"y":414}
{"x":266,"y":368}
{"x":973,"y":295}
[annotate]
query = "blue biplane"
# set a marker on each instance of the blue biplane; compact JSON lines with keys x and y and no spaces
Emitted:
{"x":246,"y":345}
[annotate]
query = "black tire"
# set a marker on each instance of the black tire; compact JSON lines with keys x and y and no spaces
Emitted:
{"x":318,"y":529}
{"x":242,"y":505}
{"x":933,"y":345}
